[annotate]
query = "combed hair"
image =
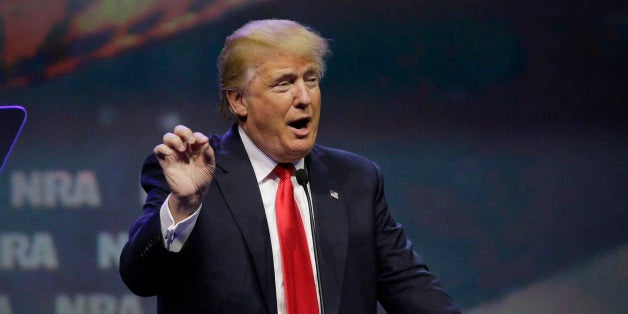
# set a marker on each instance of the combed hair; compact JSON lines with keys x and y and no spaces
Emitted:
{"x":247,"y":46}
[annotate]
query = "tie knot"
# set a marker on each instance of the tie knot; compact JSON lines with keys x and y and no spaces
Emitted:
{"x":284,"y":171}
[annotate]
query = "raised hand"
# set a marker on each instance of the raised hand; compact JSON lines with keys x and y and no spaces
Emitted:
{"x":188,"y":163}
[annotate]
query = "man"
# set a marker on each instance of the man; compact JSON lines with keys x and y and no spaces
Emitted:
{"x":221,"y":233}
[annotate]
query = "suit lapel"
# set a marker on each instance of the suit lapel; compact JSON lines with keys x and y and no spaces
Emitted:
{"x":332,"y":230}
{"x":236,"y":180}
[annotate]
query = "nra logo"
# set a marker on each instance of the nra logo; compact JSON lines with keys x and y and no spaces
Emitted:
{"x":55,"y":188}
{"x":35,"y":251}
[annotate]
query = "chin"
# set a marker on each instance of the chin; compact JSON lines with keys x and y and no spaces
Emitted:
{"x":304,"y":148}
{"x":298,"y":153}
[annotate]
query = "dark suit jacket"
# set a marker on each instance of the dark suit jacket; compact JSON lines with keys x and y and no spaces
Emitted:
{"x":226,"y":264}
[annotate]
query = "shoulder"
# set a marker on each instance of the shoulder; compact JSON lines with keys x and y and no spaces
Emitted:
{"x":343,"y":161}
{"x":341,"y":156}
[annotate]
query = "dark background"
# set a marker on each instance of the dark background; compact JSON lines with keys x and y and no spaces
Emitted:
{"x":501,"y":127}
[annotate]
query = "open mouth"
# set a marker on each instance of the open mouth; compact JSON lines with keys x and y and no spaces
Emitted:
{"x":300,"y":124}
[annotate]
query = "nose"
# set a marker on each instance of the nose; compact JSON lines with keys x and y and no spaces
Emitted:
{"x":301,"y":94}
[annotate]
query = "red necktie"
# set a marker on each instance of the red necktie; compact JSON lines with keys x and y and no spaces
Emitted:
{"x":298,"y":278}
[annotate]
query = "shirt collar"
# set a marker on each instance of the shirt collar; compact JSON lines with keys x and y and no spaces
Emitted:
{"x":262,"y":164}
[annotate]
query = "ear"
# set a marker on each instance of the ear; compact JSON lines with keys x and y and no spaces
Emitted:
{"x":237,"y":103}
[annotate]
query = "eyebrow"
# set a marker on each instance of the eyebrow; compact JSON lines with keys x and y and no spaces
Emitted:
{"x":279,"y":77}
{"x":282,"y":74}
{"x":312,"y":69}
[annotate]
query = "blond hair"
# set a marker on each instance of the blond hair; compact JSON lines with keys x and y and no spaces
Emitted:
{"x":247,"y":46}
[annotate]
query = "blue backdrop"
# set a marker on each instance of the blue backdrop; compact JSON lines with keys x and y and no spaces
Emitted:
{"x":501,"y":128}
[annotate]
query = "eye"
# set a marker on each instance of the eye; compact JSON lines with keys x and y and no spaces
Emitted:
{"x":282,"y":86}
{"x":311,"y":80}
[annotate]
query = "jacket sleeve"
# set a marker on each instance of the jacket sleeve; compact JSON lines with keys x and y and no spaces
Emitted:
{"x":405,"y":284}
{"x":145,"y":264}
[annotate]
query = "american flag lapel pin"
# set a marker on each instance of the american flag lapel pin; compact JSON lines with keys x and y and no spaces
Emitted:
{"x":333,"y":194}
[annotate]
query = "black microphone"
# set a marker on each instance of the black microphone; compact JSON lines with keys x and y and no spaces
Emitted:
{"x":303,"y":178}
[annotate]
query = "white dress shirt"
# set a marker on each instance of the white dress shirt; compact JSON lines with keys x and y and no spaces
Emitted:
{"x":175,"y":235}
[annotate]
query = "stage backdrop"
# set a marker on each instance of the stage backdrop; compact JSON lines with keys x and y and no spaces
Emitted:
{"x":501,"y":128}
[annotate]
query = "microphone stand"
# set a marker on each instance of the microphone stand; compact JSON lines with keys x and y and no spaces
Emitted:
{"x":303,"y":179}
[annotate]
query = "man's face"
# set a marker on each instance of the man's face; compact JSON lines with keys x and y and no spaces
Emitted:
{"x":282,"y":106}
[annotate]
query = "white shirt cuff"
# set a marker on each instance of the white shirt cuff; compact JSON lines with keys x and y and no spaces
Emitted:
{"x":175,"y":235}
